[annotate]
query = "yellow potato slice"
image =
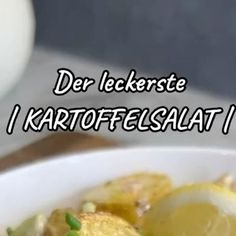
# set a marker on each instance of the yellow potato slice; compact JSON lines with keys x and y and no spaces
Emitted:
{"x":56,"y":224}
{"x":193,"y":210}
{"x":92,"y":224}
{"x":129,"y":197}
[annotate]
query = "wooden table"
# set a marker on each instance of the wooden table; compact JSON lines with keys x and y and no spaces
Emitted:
{"x":59,"y":143}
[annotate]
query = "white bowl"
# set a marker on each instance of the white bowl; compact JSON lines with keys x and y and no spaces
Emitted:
{"x":57,"y":183}
{"x":16,"y":41}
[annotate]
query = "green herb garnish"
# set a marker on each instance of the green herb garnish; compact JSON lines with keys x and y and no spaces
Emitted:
{"x":73,"y":222}
{"x":9,"y":231}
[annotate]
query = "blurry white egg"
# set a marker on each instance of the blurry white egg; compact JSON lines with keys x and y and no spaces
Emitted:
{"x":16,"y":40}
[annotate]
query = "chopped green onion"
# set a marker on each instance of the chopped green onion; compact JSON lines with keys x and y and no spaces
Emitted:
{"x":73,"y":222}
{"x":72,"y":233}
{"x":9,"y":231}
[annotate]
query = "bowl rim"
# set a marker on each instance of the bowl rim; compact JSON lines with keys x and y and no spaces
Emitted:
{"x":90,"y":154}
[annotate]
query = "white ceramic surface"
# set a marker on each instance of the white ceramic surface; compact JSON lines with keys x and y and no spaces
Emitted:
{"x":16,"y":40}
{"x":57,"y":183}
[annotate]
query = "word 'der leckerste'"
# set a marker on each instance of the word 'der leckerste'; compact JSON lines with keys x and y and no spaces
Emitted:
{"x":67,"y":81}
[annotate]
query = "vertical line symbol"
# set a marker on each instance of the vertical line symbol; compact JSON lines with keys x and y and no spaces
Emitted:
{"x":13,"y":117}
{"x":228,"y":119}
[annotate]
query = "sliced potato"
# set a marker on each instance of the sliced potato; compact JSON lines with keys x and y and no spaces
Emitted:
{"x":56,"y":224}
{"x":92,"y":224}
{"x":129,"y":197}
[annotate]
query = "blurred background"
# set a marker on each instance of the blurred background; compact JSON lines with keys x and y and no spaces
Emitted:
{"x":195,"y":39}
{"x":192,"y":38}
